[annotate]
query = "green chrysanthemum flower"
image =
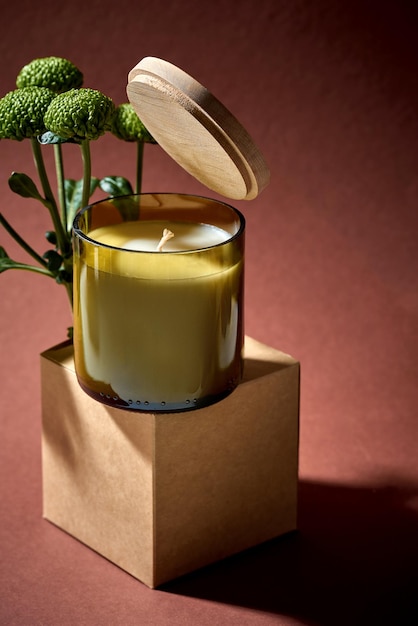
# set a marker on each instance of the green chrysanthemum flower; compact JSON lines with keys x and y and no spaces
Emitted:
{"x":53,"y":72}
{"x":127,"y":126}
{"x":22,"y":112}
{"x":80,"y":114}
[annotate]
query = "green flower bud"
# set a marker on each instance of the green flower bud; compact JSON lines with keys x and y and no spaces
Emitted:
{"x":127,"y":126}
{"x":53,"y":72}
{"x":80,"y":114}
{"x":22,"y":112}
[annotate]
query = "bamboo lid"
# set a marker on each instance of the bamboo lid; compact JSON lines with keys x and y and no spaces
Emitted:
{"x":196,"y":130}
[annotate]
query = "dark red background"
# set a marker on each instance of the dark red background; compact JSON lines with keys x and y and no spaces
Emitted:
{"x":329,"y":92}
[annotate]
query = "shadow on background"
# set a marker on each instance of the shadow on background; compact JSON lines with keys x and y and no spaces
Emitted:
{"x":354,"y":561}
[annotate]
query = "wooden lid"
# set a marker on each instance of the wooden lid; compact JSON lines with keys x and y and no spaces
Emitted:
{"x":196,"y":130}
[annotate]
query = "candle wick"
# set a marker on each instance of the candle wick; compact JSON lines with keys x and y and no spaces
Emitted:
{"x":167,"y":234}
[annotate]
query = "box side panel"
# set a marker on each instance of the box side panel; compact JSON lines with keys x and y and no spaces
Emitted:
{"x":226,"y":478}
{"x":161,"y":495}
{"x":97,"y":472}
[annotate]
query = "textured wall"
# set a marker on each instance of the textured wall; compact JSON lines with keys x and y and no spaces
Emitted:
{"x":329,"y":92}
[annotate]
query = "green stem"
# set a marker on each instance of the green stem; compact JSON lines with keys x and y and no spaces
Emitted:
{"x":59,"y":167}
{"x":32,"y":268}
{"x":62,"y":239}
{"x":22,"y":242}
{"x":69,"y":288}
{"x":85,"y":153}
{"x":139,"y":165}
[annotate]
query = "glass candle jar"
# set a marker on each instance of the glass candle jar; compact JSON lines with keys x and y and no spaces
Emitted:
{"x":158,"y":301}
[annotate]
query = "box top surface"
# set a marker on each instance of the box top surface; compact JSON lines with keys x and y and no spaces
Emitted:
{"x":264,"y":359}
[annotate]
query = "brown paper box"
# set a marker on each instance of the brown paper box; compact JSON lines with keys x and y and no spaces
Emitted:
{"x":161,"y":495}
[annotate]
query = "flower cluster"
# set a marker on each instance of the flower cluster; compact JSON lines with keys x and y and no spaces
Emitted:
{"x":50,"y":107}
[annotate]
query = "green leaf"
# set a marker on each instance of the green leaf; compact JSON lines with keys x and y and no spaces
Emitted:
{"x":49,"y":138}
{"x":53,"y":259}
{"x":24,"y":186}
{"x":63,"y":277}
{"x":6,"y":263}
{"x":121,"y":192}
{"x":128,"y":207}
{"x":116,"y":186}
{"x":5,"y":260}
{"x":74,"y":195}
{"x":51,"y":237}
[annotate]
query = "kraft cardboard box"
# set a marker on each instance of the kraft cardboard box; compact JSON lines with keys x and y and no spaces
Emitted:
{"x":161,"y":495}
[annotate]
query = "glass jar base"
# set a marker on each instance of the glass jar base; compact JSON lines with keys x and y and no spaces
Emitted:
{"x":155,"y":407}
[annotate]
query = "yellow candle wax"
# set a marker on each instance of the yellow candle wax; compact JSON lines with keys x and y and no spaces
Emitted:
{"x":145,"y":236}
{"x":158,"y":329}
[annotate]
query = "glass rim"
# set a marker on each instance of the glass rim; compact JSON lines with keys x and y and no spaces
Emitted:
{"x":83,"y":236}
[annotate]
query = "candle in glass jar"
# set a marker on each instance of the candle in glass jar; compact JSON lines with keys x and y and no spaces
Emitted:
{"x":158,"y":330}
